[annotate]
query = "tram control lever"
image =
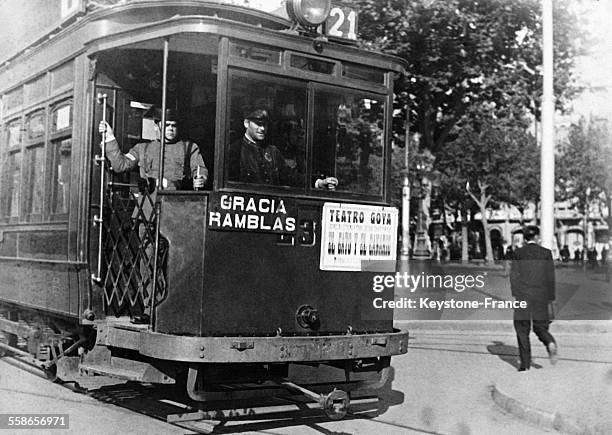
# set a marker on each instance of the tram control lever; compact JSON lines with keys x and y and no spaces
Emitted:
{"x":335,"y":404}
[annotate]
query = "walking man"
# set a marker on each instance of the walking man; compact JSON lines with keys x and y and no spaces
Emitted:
{"x":532,"y":279}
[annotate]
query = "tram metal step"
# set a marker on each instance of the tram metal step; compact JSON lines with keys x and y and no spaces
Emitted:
{"x":126,"y":369}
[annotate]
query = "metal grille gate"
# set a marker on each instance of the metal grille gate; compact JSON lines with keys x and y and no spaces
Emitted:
{"x":128,"y":252}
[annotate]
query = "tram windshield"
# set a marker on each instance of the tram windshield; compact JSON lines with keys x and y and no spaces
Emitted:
{"x":346,"y":139}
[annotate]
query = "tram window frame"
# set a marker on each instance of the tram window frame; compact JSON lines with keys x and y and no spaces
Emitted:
{"x":244,"y":50}
{"x":234,"y":72}
{"x":369,"y":74}
{"x":62,"y":77}
{"x":35,"y":158}
{"x":340,"y":191}
{"x":36,"y":90}
{"x":309,"y":61}
{"x":12,"y":151}
{"x":56,"y":138}
{"x":12,"y":100}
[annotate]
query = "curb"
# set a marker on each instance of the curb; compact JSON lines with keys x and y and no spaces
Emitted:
{"x":543,"y":419}
{"x":503,"y":326}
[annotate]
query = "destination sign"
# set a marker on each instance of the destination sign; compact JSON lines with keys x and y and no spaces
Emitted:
{"x":353,"y":235}
{"x":240,"y":212}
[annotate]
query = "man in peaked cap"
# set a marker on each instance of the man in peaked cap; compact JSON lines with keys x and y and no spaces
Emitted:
{"x":532,"y":279}
{"x":253,"y":160}
{"x":182,"y":159}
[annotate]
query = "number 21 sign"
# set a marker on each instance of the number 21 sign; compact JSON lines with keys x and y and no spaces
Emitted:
{"x":341,"y":22}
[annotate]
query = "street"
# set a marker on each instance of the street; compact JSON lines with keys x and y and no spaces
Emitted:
{"x":441,"y":386}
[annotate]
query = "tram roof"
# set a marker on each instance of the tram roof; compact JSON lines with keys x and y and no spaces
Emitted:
{"x":133,"y":15}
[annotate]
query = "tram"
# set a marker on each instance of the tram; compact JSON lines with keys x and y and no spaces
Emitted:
{"x":238,"y":289}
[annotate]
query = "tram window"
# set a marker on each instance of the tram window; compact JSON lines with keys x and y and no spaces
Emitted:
{"x":348,"y":140}
{"x":36,"y":125}
{"x":312,"y":64}
{"x":61,"y":147}
{"x":14,"y":181}
{"x":62,"y":117}
{"x":259,"y":53}
{"x":62,"y":76}
{"x":285,"y":103}
{"x":34,"y":164}
{"x":11,"y":170}
{"x":13,"y":99}
{"x":361,"y":72}
{"x":34,"y":182}
{"x":14,"y":133}
{"x":62,"y":150}
{"x":36,"y":89}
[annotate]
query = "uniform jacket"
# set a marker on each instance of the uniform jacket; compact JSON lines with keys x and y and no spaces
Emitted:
{"x":145,"y":155}
{"x":533,"y":273}
{"x":253,"y":163}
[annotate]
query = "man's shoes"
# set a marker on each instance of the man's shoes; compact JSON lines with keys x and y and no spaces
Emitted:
{"x":522,"y":369}
{"x":552,"y":352}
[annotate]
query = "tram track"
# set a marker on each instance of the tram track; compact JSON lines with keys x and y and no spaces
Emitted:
{"x":171,"y":405}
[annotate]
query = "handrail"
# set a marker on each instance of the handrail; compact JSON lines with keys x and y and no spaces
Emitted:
{"x":98,"y":219}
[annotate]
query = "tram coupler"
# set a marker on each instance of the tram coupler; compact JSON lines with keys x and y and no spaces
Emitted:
{"x":335,"y":404}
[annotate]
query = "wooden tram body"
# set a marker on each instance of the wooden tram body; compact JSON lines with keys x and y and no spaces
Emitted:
{"x":234,"y":284}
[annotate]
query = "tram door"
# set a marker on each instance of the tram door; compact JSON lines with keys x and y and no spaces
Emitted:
{"x":130,"y":79}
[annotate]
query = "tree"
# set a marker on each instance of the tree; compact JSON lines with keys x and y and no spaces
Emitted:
{"x":494,"y":163}
{"x":584,"y":161}
{"x":464,"y":53}
{"x":466,"y":56}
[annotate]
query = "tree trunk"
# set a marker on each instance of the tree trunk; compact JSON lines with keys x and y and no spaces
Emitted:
{"x":487,"y":236}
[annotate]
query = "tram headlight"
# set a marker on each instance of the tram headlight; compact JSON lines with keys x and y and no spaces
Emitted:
{"x":309,"y":13}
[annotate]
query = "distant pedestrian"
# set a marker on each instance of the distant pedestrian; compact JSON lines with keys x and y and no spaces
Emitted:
{"x":577,"y":256}
{"x":592,"y":258}
{"x":565,"y":254}
{"x":532,"y":279}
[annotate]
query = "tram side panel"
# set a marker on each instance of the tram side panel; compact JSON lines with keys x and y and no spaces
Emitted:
{"x":45,"y":286}
{"x":182,"y":226}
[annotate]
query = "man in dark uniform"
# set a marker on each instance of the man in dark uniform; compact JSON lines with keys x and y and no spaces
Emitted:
{"x":182,"y":159}
{"x":253,"y":160}
{"x":532,"y":279}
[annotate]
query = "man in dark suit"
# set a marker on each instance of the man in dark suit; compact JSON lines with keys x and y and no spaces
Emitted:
{"x":532,"y":279}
